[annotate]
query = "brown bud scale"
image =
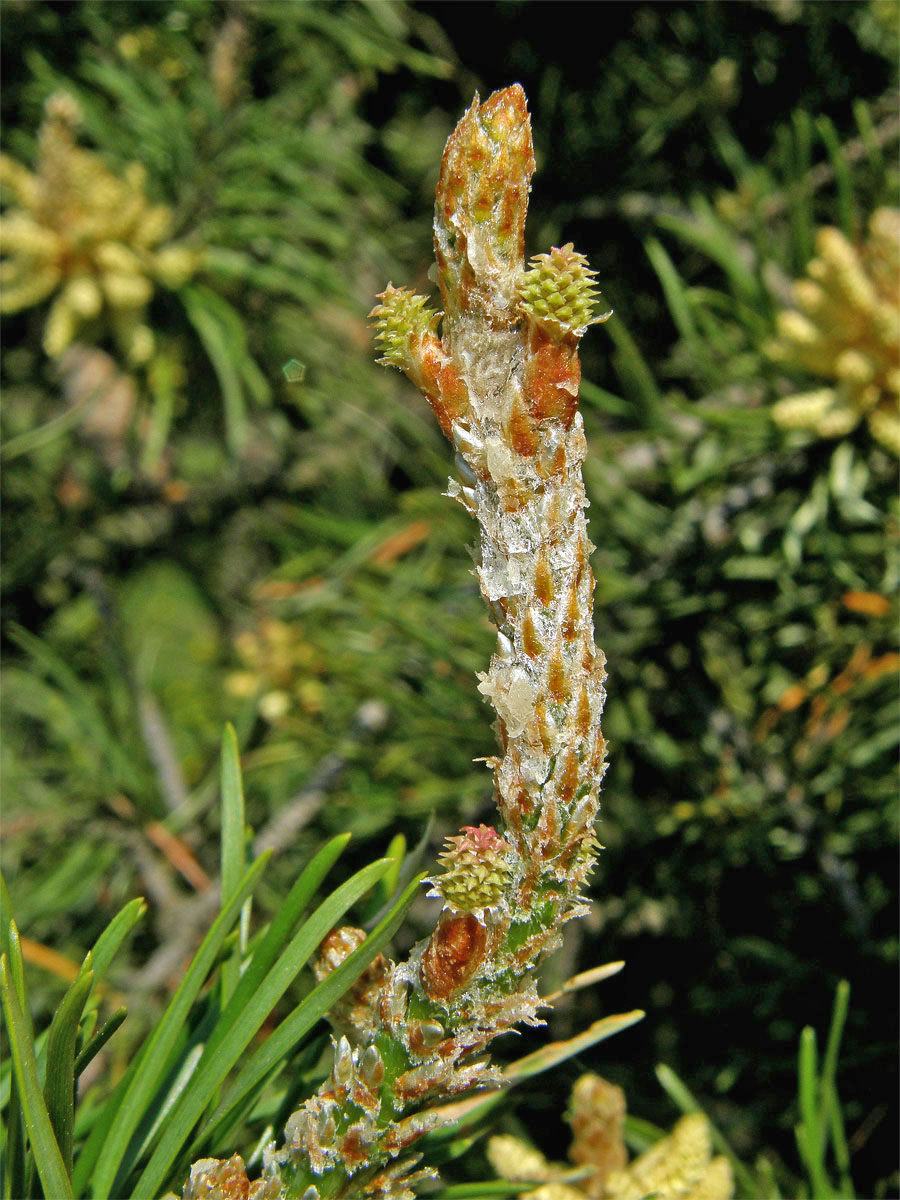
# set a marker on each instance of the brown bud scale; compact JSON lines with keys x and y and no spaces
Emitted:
{"x":452,"y":956}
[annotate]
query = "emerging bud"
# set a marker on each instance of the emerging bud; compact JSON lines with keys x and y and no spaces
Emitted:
{"x":680,"y":1166}
{"x":402,"y":322}
{"x":846,"y":329}
{"x":597,"y":1117}
{"x":480,"y":207}
{"x":558,"y":293}
{"x":475,"y":870}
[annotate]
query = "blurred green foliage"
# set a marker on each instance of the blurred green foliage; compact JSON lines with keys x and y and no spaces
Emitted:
{"x":269,"y":546}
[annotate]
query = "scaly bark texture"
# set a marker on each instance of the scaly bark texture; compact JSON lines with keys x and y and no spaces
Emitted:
{"x":502,"y":378}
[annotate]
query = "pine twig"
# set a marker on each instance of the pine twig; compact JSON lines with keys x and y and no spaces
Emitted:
{"x":503,"y":383}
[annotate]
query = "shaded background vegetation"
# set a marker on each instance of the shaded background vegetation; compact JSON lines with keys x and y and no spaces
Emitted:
{"x":269,"y":546}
